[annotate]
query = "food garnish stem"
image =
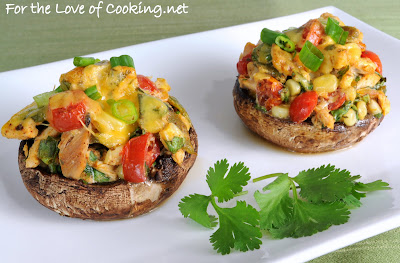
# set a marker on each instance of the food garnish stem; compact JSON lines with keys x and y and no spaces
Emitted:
{"x":241,"y":193}
{"x":255,"y":180}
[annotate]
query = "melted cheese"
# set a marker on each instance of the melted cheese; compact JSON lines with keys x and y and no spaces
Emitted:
{"x":342,"y":69}
{"x":112,"y":83}
{"x":21,"y":126}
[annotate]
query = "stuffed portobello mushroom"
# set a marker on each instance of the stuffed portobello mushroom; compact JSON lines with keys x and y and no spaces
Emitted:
{"x":311,"y":89}
{"x":106,"y":144}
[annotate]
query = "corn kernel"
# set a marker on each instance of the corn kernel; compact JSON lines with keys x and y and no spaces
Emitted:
{"x":373,"y":107}
{"x":281,"y":111}
{"x":362,"y":109}
{"x":353,"y":52}
{"x":350,"y":118}
{"x":293,"y":86}
{"x":351,"y":93}
{"x":325,"y":84}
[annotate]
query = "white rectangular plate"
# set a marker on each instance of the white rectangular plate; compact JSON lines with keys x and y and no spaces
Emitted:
{"x":201,"y":69}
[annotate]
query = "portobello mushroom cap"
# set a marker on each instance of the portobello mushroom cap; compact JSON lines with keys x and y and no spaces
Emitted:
{"x":302,"y":137}
{"x":106,"y":201}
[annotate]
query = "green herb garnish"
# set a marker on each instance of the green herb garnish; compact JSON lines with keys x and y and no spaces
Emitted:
{"x":338,"y":114}
{"x":96,"y":175}
{"x":238,"y":226}
{"x":93,"y":93}
{"x":123,"y":60}
{"x":285,"y":43}
{"x":343,"y":71}
{"x":124,"y":110}
{"x":311,"y":56}
{"x":92,"y":157}
{"x":48,"y":150}
{"x":85,"y":61}
{"x":324,"y":198}
{"x":285,"y":95}
{"x":336,"y":32}
{"x":270,"y":37}
{"x":260,"y":108}
{"x":175,"y":144}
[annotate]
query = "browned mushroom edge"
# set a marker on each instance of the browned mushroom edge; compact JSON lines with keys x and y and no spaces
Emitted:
{"x":303,"y":137}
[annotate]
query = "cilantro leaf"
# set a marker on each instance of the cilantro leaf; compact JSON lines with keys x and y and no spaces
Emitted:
{"x":195,"y":207}
{"x":276,"y":206}
{"x":309,"y":218}
{"x":324,"y":184}
{"x":355,"y":177}
{"x":358,"y":195}
{"x":373,"y":186}
{"x":360,"y":189}
{"x":326,"y":195}
{"x":224,"y":188}
{"x":352,"y":201}
{"x":238,"y":228}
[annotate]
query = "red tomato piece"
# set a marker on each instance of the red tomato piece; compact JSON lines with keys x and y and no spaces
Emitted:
{"x":67,"y":118}
{"x":375,"y":58}
{"x":242,"y":65}
{"x":146,"y":84}
{"x":153,"y":152}
{"x":302,"y":106}
{"x":313,"y":31}
{"x":336,"y":99}
{"x":138,"y":153}
{"x":268,"y":93}
{"x":67,"y":110}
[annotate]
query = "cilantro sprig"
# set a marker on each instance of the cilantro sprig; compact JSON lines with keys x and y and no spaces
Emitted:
{"x":325,"y":197}
{"x":238,"y":226}
{"x":299,"y":206}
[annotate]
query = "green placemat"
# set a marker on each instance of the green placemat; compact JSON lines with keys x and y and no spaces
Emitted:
{"x":33,"y":39}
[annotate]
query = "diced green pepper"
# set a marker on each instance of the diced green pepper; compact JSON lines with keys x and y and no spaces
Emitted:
{"x":338,"y":114}
{"x":285,"y":95}
{"x":262,"y":54}
{"x":175,"y":144}
{"x":92,"y":157}
{"x":97,"y":176}
{"x":48,"y":150}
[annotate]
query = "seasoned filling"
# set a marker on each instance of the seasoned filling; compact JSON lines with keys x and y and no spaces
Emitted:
{"x":320,"y":71}
{"x":103,"y":123}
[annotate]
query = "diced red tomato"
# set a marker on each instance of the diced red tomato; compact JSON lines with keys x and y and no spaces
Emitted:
{"x":138,"y":153}
{"x":336,"y":100}
{"x":302,"y":106}
{"x":375,"y":58}
{"x":313,"y":31}
{"x":67,"y":110}
{"x":146,"y":84}
{"x":153,"y":152}
{"x":267,"y":93}
{"x":69,"y":118}
{"x":242,"y":65}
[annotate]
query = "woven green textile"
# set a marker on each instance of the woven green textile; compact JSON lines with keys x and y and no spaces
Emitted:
{"x":34,"y":39}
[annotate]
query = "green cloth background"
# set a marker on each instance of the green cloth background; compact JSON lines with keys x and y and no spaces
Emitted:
{"x":28,"y":40}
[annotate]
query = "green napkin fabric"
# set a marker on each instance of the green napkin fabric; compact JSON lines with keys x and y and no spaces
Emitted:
{"x":34,"y":39}
{"x":382,"y":248}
